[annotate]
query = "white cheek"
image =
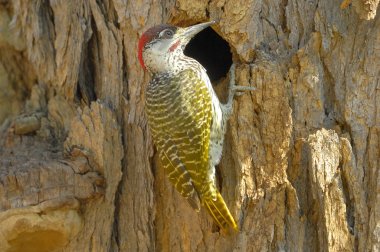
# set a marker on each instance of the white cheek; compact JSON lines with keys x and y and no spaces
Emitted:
{"x":157,"y":58}
{"x":154,"y":59}
{"x":163,"y":47}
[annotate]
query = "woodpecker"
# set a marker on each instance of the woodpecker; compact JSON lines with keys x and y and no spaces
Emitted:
{"x":186,"y":119}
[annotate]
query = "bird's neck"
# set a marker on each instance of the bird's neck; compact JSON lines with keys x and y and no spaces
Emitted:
{"x":172,"y":63}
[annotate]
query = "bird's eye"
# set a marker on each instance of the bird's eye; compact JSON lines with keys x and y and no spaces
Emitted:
{"x":167,"y":34}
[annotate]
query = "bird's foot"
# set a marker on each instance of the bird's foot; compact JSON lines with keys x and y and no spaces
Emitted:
{"x":234,"y":89}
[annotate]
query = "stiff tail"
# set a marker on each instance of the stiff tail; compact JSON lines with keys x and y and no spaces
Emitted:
{"x":219,"y":211}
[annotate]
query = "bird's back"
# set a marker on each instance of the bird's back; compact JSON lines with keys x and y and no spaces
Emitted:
{"x":179,"y":114}
{"x":179,"y":109}
{"x":185,"y":117}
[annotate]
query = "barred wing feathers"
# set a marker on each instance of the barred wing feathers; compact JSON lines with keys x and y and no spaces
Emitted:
{"x":179,"y":110}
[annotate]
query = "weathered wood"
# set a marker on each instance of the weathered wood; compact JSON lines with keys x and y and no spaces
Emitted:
{"x":300,"y":167}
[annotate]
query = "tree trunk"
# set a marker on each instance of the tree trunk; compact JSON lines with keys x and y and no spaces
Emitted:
{"x":300,"y":166}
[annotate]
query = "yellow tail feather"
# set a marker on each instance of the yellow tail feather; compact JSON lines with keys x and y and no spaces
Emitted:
{"x":219,"y":212}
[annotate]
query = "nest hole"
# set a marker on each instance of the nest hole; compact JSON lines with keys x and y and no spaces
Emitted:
{"x":212,"y":51}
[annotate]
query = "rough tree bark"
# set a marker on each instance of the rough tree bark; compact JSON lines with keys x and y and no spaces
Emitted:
{"x":300,"y":169}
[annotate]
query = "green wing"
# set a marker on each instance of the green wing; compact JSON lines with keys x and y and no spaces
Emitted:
{"x":179,"y":116}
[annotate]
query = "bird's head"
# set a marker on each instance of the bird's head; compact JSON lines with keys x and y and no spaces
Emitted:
{"x":160,"y":46}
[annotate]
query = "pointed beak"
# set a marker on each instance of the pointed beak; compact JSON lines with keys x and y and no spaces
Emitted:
{"x":189,"y":32}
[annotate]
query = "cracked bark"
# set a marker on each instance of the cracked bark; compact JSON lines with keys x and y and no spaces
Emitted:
{"x":300,"y":168}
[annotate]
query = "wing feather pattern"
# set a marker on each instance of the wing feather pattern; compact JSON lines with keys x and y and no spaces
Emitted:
{"x":179,"y":111}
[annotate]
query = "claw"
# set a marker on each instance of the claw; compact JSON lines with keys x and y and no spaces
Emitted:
{"x":232,"y":75}
{"x":235,"y":90}
{"x":243,"y":88}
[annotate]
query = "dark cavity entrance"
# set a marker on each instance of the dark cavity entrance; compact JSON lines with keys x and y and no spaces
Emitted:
{"x":212,"y":51}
